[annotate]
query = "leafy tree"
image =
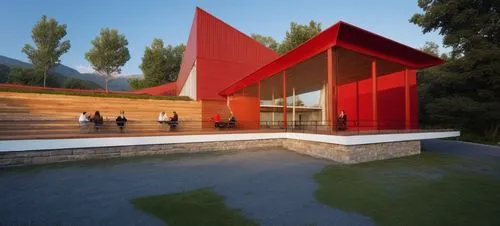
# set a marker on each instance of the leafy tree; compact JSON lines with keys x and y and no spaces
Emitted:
{"x":267,"y":41}
{"x":298,"y":101}
{"x":137,"y":83}
{"x":47,"y":35}
{"x":4,"y":73}
{"x":73,"y":83}
{"x":466,"y":90}
{"x":160,"y":65}
{"x":431,"y":48}
{"x":298,"y":34}
{"x":31,"y":77}
{"x":108,"y":54}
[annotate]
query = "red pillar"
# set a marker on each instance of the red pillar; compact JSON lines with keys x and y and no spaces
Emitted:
{"x":258,"y":96}
{"x":374,"y":94}
{"x":332,"y":88}
{"x":284,"y":99}
{"x":407,"y":101}
{"x":357,"y":105}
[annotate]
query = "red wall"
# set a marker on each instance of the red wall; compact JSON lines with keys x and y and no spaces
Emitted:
{"x":246,"y":110}
{"x":211,"y":107}
{"x":391,"y":102}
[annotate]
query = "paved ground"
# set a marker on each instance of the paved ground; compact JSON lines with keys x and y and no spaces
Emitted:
{"x":273,"y":187}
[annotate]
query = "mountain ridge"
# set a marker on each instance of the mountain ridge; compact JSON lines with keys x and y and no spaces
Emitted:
{"x":119,"y":83}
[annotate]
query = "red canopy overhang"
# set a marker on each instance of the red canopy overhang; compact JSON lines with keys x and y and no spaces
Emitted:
{"x":346,"y":36}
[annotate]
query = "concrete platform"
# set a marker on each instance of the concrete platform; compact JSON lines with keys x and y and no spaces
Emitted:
{"x":342,"y":149}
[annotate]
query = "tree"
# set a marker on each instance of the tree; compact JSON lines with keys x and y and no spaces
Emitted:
{"x":431,"y":48}
{"x":267,"y":41}
{"x":289,"y":101}
{"x":160,"y":65}
{"x":137,"y":83}
{"x":4,"y":73}
{"x":24,"y":76}
{"x":298,"y":102}
{"x":466,"y":90}
{"x":31,"y":77}
{"x":47,"y":35}
{"x":108,"y":54}
{"x":298,"y":34}
{"x":73,"y":83}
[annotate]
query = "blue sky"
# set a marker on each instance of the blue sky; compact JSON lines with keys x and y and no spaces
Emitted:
{"x":170,"y":20}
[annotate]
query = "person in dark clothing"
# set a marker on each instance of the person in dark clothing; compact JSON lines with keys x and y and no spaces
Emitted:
{"x":342,"y":121}
{"x":98,"y":120}
{"x":121,"y":120}
{"x":232,"y":122}
{"x":173,"y":121}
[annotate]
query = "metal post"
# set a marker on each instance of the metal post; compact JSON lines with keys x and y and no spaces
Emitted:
{"x":272,"y":103}
{"x":293,"y":107}
{"x":407,"y":100}
{"x":284,"y":99}
{"x":374,"y":94}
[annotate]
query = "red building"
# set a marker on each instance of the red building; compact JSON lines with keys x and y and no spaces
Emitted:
{"x":371,"y":78}
{"x":216,"y":56}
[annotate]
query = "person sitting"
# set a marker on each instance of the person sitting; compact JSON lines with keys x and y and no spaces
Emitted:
{"x":162,"y":118}
{"x":217,"y":121}
{"x":342,"y":121}
{"x":98,"y":120}
{"x":232,"y":122}
{"x":121,"y":120}
{"x":84,"y":122}
{"x":173,"y":121}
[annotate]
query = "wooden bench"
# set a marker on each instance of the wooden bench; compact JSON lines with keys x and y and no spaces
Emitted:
{"x":50,"y":128}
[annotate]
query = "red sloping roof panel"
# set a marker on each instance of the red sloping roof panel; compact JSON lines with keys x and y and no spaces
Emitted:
{"x":343,"y":35}
{"x":225,"y":55}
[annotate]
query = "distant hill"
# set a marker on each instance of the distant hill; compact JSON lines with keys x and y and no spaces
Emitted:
{"x":13,"y":63}
{"x":119,"y":83}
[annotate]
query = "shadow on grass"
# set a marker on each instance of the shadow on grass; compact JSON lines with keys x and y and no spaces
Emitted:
{"x":195,"y":207}
{"x":111,"y":161}
{"x":428,"y":189}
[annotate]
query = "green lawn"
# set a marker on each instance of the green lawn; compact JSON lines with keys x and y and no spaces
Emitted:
{"x":428,"y":189}
{"x":196,"y":207}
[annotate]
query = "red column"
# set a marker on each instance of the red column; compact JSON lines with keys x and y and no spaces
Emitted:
{"x":407,"y":101}
{"x":374,"y":94}
{"x":332,"y":88}
{"x":284,"y":99}
{"x":258,"y":96}
{"x":357,"y":105}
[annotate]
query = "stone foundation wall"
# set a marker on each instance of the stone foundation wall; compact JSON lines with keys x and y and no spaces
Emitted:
{"x":65,"y":155}
{"x":339,"y":153}
{"x":349,"y":154}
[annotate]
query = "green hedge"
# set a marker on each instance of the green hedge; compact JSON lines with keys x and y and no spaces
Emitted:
{"x":93,"y":94}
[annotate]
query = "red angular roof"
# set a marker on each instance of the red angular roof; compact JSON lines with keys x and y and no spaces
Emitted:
{"x":348,"y":37}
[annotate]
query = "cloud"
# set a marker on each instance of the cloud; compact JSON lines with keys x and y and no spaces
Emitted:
{"x":84,"y":69}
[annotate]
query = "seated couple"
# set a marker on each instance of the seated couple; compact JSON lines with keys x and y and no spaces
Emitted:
{"x":97,"y":119}
{"x":172,"y":121}
{"x":218,"y":123}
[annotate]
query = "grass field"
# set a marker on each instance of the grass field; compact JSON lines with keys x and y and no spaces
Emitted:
{"x":196,"y":207}
{"x":428,"y":189}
